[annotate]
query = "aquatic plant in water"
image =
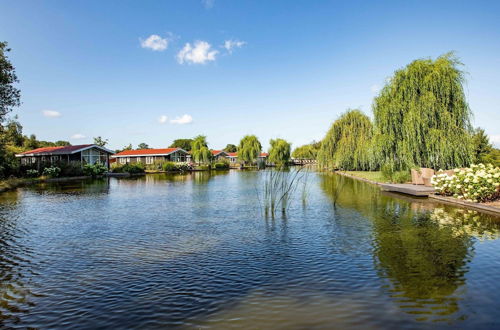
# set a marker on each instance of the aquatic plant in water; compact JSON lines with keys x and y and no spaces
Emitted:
{"x":279,"y":188}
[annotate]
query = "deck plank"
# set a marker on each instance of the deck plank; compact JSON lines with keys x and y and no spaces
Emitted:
{"x":409,"y":189}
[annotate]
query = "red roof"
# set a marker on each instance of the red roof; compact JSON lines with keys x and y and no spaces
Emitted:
{"x":264,"y":154}
{"x":141,"y":152}
{"x":56,"y":150}
{"x":216,"y":152}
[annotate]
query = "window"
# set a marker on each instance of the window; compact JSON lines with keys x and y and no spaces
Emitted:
{"x":123,"y":160}
{"x":54,"y":159}
{"x":149,"y":160}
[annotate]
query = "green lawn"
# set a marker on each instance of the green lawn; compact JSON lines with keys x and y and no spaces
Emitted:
{"x":370,"y":175}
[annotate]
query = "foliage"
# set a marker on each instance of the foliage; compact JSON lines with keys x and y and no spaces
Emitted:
{"x":10,"y":96}
{"x":482,"y":145}
{"x":479,"y":183}
{"x":175,"y":167}
{"x":134,"y":168}
{"x":348,"y":143}
{"x":32,"y":173}
{"x":94,"y":170}
{"x":221,"y":165}
{"x":69,"y":169}
{"x":279,"y":153}
{"x":249,"y":149}
{"x":182,"y":143}
{"x":230,"y":148}
{"x":493,"y":157}
{"x":422,"y":117}
{"x":99,"y":141}
{"x":52,"y":171}
{"x":129,"y":147}
{"x":307,"y":151}
{"x":200,"y":151}
{"x":143,"y":146}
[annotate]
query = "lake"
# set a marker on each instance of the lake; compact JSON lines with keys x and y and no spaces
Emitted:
{"x":195,"y":251}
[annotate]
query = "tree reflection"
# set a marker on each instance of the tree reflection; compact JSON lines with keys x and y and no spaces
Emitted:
{"x":421,"y":249}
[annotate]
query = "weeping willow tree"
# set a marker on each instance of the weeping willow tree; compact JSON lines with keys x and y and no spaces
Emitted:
{"x":422,"y":117}
{"x":200,"y":151}
{"x":279,"y":153}
{"x":347,"y":145}
{"x":249,"y":149}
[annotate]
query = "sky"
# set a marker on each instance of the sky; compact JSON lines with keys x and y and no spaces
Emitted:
{"x":154,"y":71}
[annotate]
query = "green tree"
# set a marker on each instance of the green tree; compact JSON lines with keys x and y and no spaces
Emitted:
{"x":31,"y":142}
{"x":200,"y":151}
{"x":482,"y":145}
{"x":129,"y":147}
{"x":279,"y":152}
{"x":307,"y":151}
{"x":10,"y":96}
{"x":182,"y":143}
{"x":249,"y":149}
{"x":62,"y":143}
{"x":230,"y":148}
{"x":100,"y":141}
{"x":348,"y":143}
{"x":143,"y":146}
{"x":422,"y":117}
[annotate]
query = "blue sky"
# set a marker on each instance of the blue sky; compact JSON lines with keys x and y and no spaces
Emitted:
{"x":154,"y":71}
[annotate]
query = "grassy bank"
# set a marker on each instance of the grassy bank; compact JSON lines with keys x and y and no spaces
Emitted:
{"x":375,"y":176}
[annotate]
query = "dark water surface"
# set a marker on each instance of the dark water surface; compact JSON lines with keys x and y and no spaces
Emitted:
{"x":194,"y":251}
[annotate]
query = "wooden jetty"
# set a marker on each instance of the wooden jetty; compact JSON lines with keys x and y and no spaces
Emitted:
{"x":409,"y":189}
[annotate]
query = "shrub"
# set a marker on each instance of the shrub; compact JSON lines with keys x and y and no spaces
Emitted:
{"x":169,"y":166}
{"x":32,"y":173}
{"x":401,"y":177}
{"x":94,"y":169}
{"x":70,"y":169}
{"x":479,"y":183}
{"x":128,"y":168}
{"x":390,"y":175}
{"x":52,"y":171}
{"x":221,"y":166}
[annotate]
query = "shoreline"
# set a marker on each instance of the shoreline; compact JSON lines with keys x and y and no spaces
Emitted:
{"x":445,"y":199}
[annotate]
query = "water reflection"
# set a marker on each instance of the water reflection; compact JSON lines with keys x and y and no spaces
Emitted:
{"x":422,"y":248}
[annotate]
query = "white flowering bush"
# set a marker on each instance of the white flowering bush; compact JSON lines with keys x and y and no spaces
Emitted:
{"x":478,"y":183}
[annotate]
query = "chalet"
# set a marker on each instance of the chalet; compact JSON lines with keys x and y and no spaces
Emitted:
{"x":219,"y":155}
{"x":150,"y":156}
{"x":84,"y":154}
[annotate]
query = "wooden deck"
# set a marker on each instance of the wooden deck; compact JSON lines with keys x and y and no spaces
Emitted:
{"x":409,"y":189}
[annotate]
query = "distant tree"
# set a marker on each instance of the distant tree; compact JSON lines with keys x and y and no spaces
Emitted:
{"x":62,"y":143}
{"x":143,"y":146}
{"x":10,"y":96}
{"x":249,"y":149}
{"x":200,"y":151}
{"x":307,"y":151}
{"x":230,"y":148}
{"x":31,"y":142}
{"x":182,"y":143}
{"x":13,"y":132}
{"x":347,"y":144}
{"x":100,"y":141}
{"x":279,"y":153}
{"x":482,"y":145}
{"x":129,"y":147}
{"x":422,"y":117}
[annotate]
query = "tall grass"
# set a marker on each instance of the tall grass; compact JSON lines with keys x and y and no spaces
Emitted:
{"x":279,"y":188}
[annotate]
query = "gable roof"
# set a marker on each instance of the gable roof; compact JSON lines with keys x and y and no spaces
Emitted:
{"x":148,"y":152}
{"x":62,"y":150}
{"x":218,"y":152}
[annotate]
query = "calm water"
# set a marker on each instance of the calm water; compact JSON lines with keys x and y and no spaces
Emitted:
{"x":193,"y":251}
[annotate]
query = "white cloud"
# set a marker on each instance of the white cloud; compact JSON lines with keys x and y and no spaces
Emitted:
{"x":155,"y":42}
{"x":375,"y":88}
{"x":185,"y":119}
{"x":163,"y":119}
{"x":208,"y":3}
{"x":77,"y":136}
{"x":51,"y":113}
{"x":201,"y":53}
{"x":231,"y":44}
{"x":495,"y":139}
